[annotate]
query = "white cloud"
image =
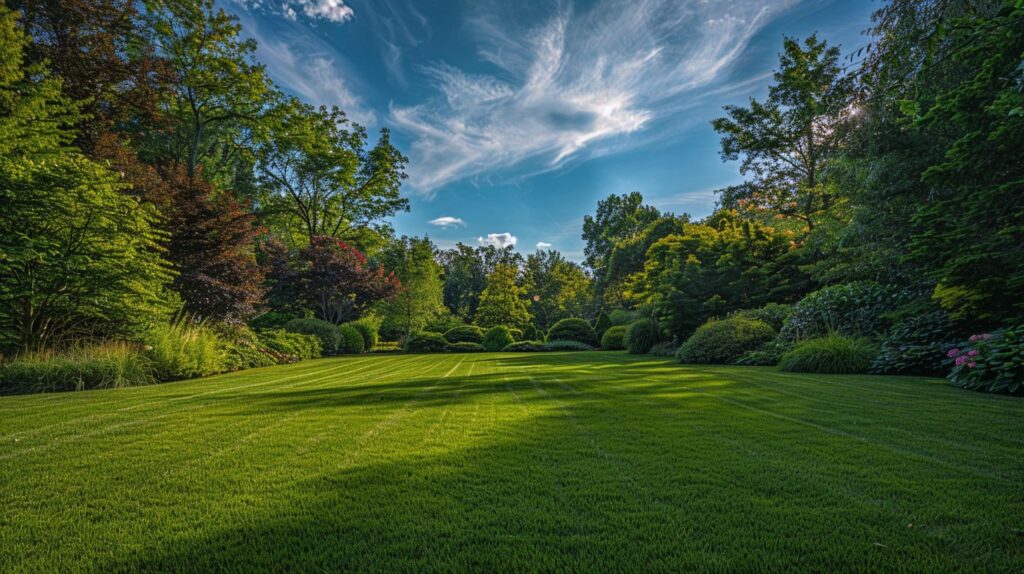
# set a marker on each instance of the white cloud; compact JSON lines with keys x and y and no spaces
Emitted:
{"x":543,"y":245}
{"x":447,"y":221}
{"x":330,"y":10}
{"x":499,"y":240}
{"x":574,"y":86}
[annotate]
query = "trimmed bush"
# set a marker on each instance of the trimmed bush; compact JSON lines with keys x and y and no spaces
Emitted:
{"x":830,"y":354}
{"x":567,"y":345}
{"x":368,"y":330}
{"x":328,"y":333}
{"x":641,"y":335}
{"x":497,"y":338}
{"x":623,"y":317}
{"x":917,"y":346}
{"x":990,"y":362}
{"x":464,"y":334}
{"x":525,"y":347}
{"x":532,"y":333}
{"x":351,"y":341}
{"x":243,"y":349}
{"x":466,"y":347}
{"x":290,"y":347}
{"x":856,"y":309}
{"x":573,"y":329}
{"x":426,"y":343}
{"x":102,"y":366}
{"x":271,"y":320}
{"x":774,"y":315}
{"x":724,"y":341}
{"x":184,"y":350}
{"x":614,"y":338}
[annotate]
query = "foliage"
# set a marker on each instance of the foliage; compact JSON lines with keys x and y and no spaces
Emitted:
{"x":664,"y":349}
{"x":618,"y":217}
{"x":787,"y":141}
{"x":830,"y":354}
{"x":464,"y":333}
{"x":328,"y":277}
{"x":990,"y":362}
{"x":774,"y":315}
{"x":497,"y":338}
{"x":319,"y":180}
{"x":853,"y":309}
{"x":421,"y":297}
{"x":290,"y":347}
{"x":502,"y":301}
{"x":465,"y":275}
{"x":767,"y":356}
{"x":916,"y":345}
{"x":614,"y":338}
{"x":425,"y":343}
{"x":573,"y":329}
{"x":566,"y":345}
{"x":725,"y":341}
{"x":183,"y":349}
{"x":351,"y":340}
{"x":601,"y":324}
{"x":641,"y":335}
{"x":623,"y":317}
{"x":99,"y":366}
{"x":367,"y":328}
{"x":525,"y":347}
{"x":78,"y":258}
{"x":467,"y":347}
{"x":327,"y":333}
{"x":242,"y":347}
{"x":532,"y":333}
{"x":556,"y":288}
{"x":387,"y":347}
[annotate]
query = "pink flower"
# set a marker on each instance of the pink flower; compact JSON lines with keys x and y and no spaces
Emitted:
{"x":981,"y":337}
{"x":972,"y":353}
{"x":953,"y":353}
{"x":971,"y":365}
{"x":961,"y":360}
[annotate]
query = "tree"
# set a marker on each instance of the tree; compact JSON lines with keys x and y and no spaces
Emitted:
{"x":787,"y":142}
{"x":557,"y":288}
{"x":327,"y":277}
{"x":215,"y":92}
{"x":465,"y":274}
{"x":316,"y":172}
{"x":421,"y":298}
{"x":502,"y":301}
{"x":78,"y":258}
{"x":618,"y":217}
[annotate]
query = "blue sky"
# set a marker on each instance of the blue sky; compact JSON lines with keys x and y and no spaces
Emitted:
{"x":518,"y":117}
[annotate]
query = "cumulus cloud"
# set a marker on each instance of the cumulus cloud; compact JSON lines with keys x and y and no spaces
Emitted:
{"x":543,"y":245}
{"x":572,"y":86}
{"x":447,"y":221}
{"x":499,"y":240}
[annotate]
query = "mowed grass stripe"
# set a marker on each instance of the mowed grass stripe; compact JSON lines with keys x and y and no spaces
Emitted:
{"x":498,"y":462}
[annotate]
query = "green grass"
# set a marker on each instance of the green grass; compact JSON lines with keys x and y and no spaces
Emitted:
{"x":498,"y":462}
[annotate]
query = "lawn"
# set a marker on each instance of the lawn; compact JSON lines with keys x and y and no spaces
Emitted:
{"x":585,"y":461}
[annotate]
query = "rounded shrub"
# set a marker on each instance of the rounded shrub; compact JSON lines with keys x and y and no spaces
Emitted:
{"x":640,"y":336}
{"x":857,"y":309}
{"x":351,"y":341}
{"x":601,"y":324}
{"x":573,"y":329}
{"x":614,"y":338}
{"x":497,"y":338}
{"x":426,"y":343}
{"x":326,"y":332}
{"x":774,"y":314}
{"x":464,"y":334}
{"x":830,"y":354}
{"x":622,"y":317}
{"x":724,"y":341}
{"x":368,"y":332}
{"x":466,"y":347}
{"x":288,"y":347}
{"x":532,"y":333}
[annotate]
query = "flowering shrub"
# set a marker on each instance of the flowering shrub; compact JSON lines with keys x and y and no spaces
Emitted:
{"x":991,"y":362}
{"x":916,"y":346}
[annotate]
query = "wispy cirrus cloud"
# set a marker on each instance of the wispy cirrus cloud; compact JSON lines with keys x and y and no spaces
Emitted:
{"x":573,"y":85}
{"x":447,"y":221}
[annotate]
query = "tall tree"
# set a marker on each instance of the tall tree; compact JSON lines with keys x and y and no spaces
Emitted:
{"x":787,"y":141}
{"x":319,"y":177}
{"x":503,"y":300}
{"x":78,"y":258}
{"x":465,"y":274}
{"x":556,"y":288}
{"x":618,"y":217}
{"x":421,"y":298}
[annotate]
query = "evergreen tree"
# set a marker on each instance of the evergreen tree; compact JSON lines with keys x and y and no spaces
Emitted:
{"x":502,"y":301}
